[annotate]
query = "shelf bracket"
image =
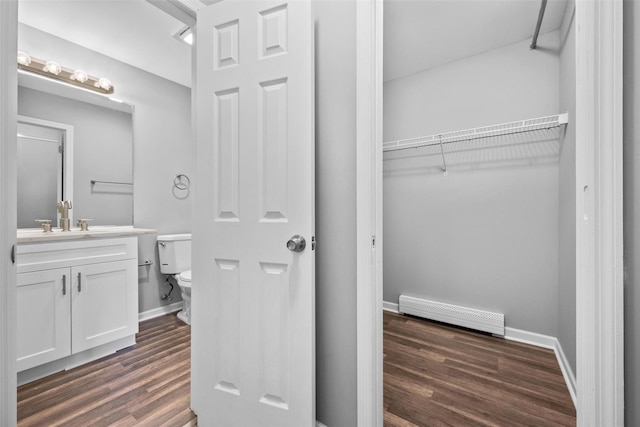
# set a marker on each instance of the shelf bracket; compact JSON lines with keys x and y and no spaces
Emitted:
{"x":444,"y":163}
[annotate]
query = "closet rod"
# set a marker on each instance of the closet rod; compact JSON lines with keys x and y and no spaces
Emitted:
{"x":534,"y":42}
{"x":520,"y":126}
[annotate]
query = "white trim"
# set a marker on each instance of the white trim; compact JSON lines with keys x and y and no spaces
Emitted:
{"x":599,"y":234}
{"x":160,"y":311}
{"x":369,"y":212}
{"x":531,"y":338}
{"x":390,"y":306}
{"x":552,"y":343}
{"x":8,"y":189}
{"x":567,"y":373}
{"x":319,"y":424}
{"x":67,"y":159}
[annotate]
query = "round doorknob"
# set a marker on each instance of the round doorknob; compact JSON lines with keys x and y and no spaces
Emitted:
{"x":296,"y":243}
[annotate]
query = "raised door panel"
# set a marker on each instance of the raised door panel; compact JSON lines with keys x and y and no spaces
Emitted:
{"x":43,"y":317}
{"x":104,"y":303}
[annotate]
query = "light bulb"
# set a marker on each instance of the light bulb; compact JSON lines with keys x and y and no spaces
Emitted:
{"x":23,"y":58}
{"x":52,"y":67}
{"x":103,"y":83}
{"x":80,"y":76}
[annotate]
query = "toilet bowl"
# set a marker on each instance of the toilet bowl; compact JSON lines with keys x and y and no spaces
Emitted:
{"x":174,"y":252}
{"x":184,"y":281}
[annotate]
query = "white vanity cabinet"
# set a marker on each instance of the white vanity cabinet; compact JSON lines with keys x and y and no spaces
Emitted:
{"x":74,"y":296}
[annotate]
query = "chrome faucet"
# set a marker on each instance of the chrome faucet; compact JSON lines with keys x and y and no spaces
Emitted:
{"x":63,"y":208}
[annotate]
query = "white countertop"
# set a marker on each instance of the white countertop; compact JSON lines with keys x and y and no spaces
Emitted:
{"x":32,"y":235}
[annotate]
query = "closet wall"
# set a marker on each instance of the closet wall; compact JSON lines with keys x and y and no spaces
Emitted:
{"x":486,"y":235}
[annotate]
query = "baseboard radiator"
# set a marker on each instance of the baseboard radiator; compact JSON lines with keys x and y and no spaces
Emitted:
{"x":472,"y":318}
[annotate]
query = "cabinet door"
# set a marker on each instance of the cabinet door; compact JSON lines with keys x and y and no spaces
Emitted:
{"x":104,"y":303}
{"x":43,"y":317}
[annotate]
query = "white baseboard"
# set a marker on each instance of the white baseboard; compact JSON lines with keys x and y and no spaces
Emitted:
{"x":319,"y":424}
{"x":567,"y":373}
{"x":390,"y":306}
{"x":160,"y":311}
{"x":531,"y":338}
{"x":549,"y":342}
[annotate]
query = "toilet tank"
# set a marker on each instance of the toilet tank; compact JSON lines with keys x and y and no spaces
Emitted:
{"x":174,"y":252}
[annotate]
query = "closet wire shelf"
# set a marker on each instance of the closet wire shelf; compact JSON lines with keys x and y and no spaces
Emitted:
{"x":539,"y":123}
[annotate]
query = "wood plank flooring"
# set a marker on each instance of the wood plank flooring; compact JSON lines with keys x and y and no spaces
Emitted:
{"x":438,"y":375}
{"x":144,"y":385}
{"x":435,"y":375}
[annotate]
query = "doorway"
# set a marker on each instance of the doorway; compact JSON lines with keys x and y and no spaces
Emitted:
{"x":587,"y":45}
{"x":475,"y":145}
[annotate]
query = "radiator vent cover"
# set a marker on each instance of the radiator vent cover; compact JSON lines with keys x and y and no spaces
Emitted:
{"x":480,"y":320}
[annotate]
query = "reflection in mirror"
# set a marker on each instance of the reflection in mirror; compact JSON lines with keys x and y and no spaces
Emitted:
{"x":94,"y":168}
{"x":40,"y":171}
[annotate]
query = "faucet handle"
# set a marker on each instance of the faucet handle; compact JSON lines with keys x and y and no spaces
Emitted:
{"x":83,"y":223}
{"x":46,"y":224}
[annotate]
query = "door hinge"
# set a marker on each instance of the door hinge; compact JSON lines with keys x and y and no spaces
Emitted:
{"x":13,"y":254}
{"x":373,"y":242}
{"x":313,"y":243}
{"x":61,"y":149}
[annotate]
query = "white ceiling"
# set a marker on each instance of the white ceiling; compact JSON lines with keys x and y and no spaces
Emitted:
{"x":131,"y":31}
{"x":418,"y":34}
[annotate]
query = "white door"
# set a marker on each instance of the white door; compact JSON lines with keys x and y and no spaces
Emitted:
{"x":253,"y":299}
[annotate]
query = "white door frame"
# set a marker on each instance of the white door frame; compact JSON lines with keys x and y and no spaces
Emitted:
{"x":599,"y":234}
{"x":8,"y":175}
{"x":369,"y":31}
{"x":599,"y":243}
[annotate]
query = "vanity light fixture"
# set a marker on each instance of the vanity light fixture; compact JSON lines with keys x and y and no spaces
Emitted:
{"x":54,"y":70}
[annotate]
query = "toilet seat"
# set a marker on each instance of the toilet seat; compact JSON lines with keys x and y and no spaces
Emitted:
{"x":184,"y":279}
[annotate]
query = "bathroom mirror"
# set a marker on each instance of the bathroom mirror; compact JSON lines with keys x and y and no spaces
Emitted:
{"x":73,"y":145}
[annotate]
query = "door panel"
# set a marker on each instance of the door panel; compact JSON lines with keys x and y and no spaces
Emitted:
{"x":253,"y":328}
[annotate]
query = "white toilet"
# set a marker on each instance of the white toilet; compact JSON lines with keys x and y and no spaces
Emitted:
{"x":174,"y":252}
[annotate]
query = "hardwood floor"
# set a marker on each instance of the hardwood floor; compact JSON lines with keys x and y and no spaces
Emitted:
{"x":437,"y":375}
{"x":144,"y":385}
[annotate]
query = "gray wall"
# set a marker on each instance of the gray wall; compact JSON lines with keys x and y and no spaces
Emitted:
{"x":161,"y":148}
{"x":336,"y":213}
{"x":486,"y":235}
{"x":632,"y":212}
{"x":103,"y":150}
{"x":567,"y":231}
